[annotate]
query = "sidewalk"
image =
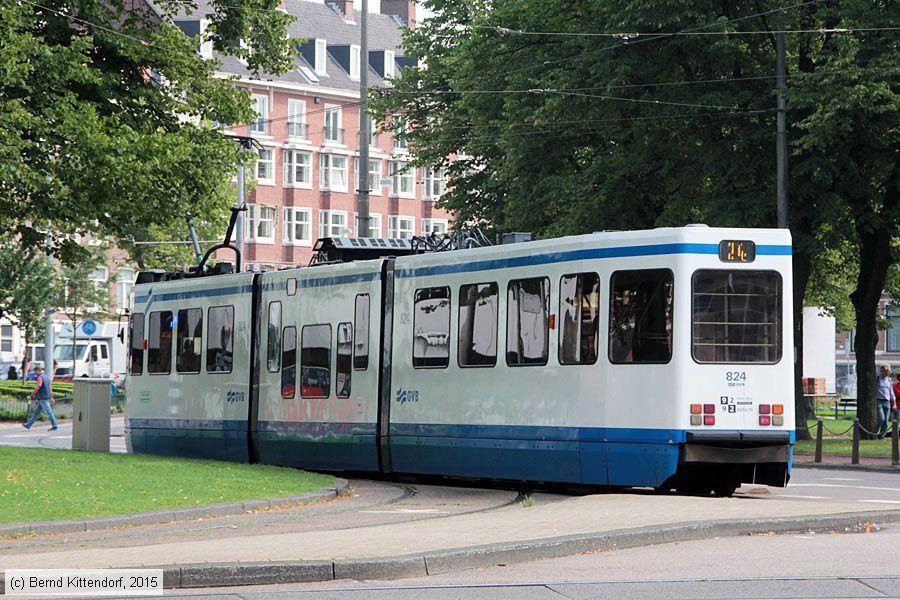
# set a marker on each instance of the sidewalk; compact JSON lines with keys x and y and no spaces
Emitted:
{"x":843,"y":461}
{"x":511,"y":533}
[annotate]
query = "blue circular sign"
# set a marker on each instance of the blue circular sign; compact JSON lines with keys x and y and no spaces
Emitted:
{"x":89,"y":327}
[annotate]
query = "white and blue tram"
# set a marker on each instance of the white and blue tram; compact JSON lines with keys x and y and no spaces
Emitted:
{"x":659,"y":358}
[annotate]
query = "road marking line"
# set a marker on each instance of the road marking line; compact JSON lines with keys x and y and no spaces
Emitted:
{"x":804,"y":497}
{"x":882,"y":501}
{"x":842,"y":478}
{"x":405,"y":511}
{"x":839,"y":485}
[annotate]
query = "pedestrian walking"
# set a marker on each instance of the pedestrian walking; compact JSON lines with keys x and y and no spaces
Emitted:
{"x":884,"y":398}
{"x":44,"y":397}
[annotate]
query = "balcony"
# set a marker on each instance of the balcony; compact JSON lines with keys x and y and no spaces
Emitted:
{"x":297,"y":130}
{"x":334,"y":134}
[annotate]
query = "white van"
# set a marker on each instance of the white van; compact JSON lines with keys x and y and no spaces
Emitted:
{"x":92,"y":358}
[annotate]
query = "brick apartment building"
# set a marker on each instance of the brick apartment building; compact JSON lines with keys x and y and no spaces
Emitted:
{"x":308,"y":127}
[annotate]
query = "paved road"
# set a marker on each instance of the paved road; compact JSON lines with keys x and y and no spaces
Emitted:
{"x":39,"y":436}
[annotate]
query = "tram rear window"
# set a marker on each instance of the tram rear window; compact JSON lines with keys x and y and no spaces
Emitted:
{"x":640,"y":316}
{"x":315,"y":361}
{"x":220,"y":339}
{"x":136,"y":337}
{"x":736,"y":316}
{"x":190,"y":339}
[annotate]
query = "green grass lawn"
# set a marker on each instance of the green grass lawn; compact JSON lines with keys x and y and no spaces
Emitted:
{"x":841,"y":446}
{"x":45,"y":485}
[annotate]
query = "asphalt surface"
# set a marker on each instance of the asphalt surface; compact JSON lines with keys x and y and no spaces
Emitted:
{"x":40,"y":436}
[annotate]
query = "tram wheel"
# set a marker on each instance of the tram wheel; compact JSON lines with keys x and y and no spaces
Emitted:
{"x":724,"y":490}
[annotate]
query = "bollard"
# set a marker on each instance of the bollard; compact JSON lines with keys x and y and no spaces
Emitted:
{"x":854,"y":458}
{"x":895,"y":446}
{"x":819,"y":427}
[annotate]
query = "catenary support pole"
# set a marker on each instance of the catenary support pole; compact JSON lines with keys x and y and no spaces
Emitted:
{"x":781,"y":137}
{"x":819,"y":427}
{"x":239,"y":223}
{"x":49,"y":339}
{"x":854,"y":451}
{"x":362,"y":225}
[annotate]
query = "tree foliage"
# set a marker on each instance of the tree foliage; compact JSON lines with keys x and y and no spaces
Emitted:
{"x":106,"y":111}
{"x":572,"y":117}
{"x":26,"y":287}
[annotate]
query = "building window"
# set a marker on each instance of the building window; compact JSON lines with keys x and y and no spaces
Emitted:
{"x":403,"y":180}
{"x":527,"y":322}
{"x":401,"y":227}
{"x":220,"y":339}
{"x":736,"y":317}
{"x":434,"y":183}
{"x":399,"y":133}
{"x":297,"y":226}
{"x":190,"y":338}
{"x":640,"y":316}
{"x":260,"y":223}
{"x":344,"y":365}
{"x":315,"y":361}
{"x":159,"y":342}
{"x":579,"y":306}
{"x":354,"y":62}
{"x":124,"y":284}
{"x":333,"y":131}
{"x":374,"y":225}
{"x":431,"y":327}
{"x":265,"y":167}
{"x":297,"y":168}
{"x":332,"y":223}
{"x":478,"y":306}
{"x":261,"y":107}
{"x":892,"y":335}
{"x":297,"y":118}
{"x":389,"y":63}
{"x":333,"y":172}
{"x":289,"y":363}
{"x":6,"y":338}
{"x":373,"y":132}
{"x":438,"y":226}
{"x":321,"y":57}
{"x":374,"y":176}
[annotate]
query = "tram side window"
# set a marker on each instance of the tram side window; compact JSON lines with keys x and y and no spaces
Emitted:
{"x":528,"y":322}
{"x":478,"y":305}
{"x":344,"y":365}
{"x":220,"y":339}
{"x":136,"y":344}
{"x":640,"y":316}
{"x":361,"y":333}
{"x":189,"y":341}
{"x":273,"y":338}
{"x":579,"y":311}
{"x":315,"y":361}
{"x":159,"y":342}
{"x":431,"y":327}
{"x":289,"y":362}
{"x":736,"y":316}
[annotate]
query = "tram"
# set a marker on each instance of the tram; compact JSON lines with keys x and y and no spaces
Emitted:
{"x":659,"y":358}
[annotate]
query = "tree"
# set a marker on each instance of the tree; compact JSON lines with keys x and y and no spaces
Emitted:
{"x":107,"y":113}
{"x":602,"y":129}
{"x":26,"y":287}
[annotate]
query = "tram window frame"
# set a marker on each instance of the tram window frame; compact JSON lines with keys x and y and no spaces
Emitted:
{"x":345,"y":391}
{"x":288,"y":368}
{"x":136,"y":352}
{"x":229,"y":309}
{"x":304,"y":365}
{"x":361,"y":360}
{"x":155,"y":364}
{"x":432,"y":362}
{"x":579,"y":277}
{"x":183,"y":322}
{"x":273,"y":350}
{"x":777,"y":326}
{"x":611,"y":325}
{"x":459,"y":324}
{"x":545,"y":358}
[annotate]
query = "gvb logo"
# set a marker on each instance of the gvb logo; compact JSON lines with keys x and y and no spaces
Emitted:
{"x":404,"y":396}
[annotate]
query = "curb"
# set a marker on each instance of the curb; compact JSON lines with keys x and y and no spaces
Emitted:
{"x":848,"y":467}
{"x":432,"y":563}
{"x":178,"y":514}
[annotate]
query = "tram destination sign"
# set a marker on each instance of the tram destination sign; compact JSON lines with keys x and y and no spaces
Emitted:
{"x":737,"y":251}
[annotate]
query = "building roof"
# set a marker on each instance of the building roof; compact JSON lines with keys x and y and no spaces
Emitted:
{"x":318,"y":20}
